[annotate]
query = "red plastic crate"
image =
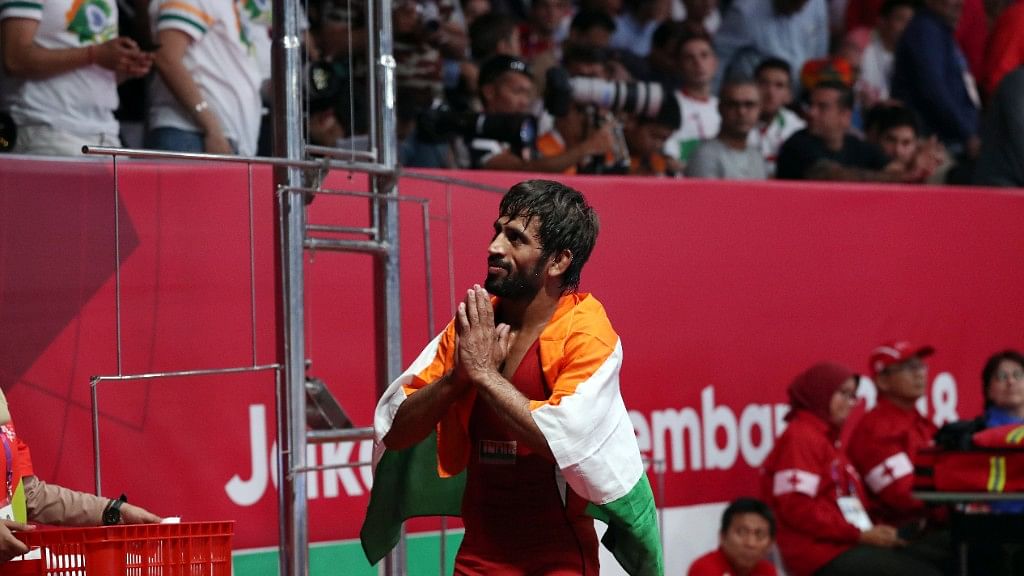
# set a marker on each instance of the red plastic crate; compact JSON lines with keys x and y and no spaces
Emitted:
{"x":186,"y":549}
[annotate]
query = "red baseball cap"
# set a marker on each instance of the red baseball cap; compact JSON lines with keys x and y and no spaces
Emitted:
{"x":898,"y":352}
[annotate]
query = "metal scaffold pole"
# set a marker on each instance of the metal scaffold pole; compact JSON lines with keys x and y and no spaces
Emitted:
{"x":290,"y":218}
{"x":387,"y":308}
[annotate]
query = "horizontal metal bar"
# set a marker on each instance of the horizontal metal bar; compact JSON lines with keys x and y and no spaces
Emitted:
{"x":343,"y":435}
{"x":336,"y":244}
{"x":167,"y":155}
{"x":349,"y":193}
{"x":335,"y":152}
{"x":340,"y":229}
{"x":367,"y":167}
{"x":304,"y":469}
{"x":181,"y":373}
{"x":449,"y":180}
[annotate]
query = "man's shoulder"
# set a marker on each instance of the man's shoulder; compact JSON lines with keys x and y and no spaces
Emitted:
{"x":713,"y":563}
{"x":580,"y":314}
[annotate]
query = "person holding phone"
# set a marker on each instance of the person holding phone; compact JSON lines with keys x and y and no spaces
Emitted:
{"x":62,"y":60}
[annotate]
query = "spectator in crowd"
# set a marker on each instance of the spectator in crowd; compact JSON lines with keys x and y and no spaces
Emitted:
{"x":206,"y":97}
{"x":816,"y":495}
{"x":931,"y":76}
{"x":752,"y":30}
{"x":492,"y":34}
{"x":746,"y":535}
{"x":645,"y":139}
{"x":697,"y":103}
{"x":886,"y":441}
{"x":894,"y":128}
{"x":635,"y":26}
{"x":63,"y":60}
{"x":876,"y":60}
{"x":661,"y":64}
{"x":704,"y":13}
{"x":506,"y":87}
{"x":1005,"y":49}
{"x":730,"y":154}
{"x":776,"y":122}
{"x":592,"y":28}
{"x":580,"y":123}
{"x":825,"y":150}
{"x":48,"y":503}
{"x":1001,"y":161}
{"x":537,"y":34}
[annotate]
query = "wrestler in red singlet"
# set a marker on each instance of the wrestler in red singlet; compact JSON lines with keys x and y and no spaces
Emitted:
{"x":517,"y":521}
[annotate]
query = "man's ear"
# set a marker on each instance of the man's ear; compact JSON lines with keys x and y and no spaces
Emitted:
{"x":560,"y":262}
{"x":487,"y":92}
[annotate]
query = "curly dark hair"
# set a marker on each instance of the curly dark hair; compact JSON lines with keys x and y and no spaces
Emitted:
{"x":567,"y":222}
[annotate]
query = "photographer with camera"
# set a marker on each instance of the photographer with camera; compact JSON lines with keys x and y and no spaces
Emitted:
{"x":577,"y":124}
{"x":507,"y":90}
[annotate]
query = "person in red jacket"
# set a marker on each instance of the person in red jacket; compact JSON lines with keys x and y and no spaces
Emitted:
{"x":47,"y":503}
{"x":817,"y":496}
{"x":883,"y":445}
{"x":748,"y":531}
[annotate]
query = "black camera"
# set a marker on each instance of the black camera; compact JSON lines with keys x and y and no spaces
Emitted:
{"x":643,"y":99}
{"x":441,"y":124}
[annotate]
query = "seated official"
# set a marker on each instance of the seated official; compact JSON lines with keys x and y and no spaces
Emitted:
{"x":747,"y":533}
{"x":817,"y":496}
{"x":46,"y":503}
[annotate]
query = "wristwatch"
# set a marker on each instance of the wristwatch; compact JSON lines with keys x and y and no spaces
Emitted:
{"x":112,"y":513}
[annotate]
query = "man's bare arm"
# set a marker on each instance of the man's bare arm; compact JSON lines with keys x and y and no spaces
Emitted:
{"x":420,"y":412}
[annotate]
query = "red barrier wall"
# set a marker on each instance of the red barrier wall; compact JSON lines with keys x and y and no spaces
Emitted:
{"x":720,"y":291}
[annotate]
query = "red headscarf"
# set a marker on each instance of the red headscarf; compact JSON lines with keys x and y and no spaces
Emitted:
{"x":812,"y":390}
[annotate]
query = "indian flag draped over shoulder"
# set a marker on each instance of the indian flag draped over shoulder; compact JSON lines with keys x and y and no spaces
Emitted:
{"x":584,"y":421}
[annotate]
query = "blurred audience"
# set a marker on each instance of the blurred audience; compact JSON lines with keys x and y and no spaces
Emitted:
{"x":1001,"y":160}
{"x":776,"y":122}
{"x":63,"y":60}
{"x":206,"y":97}
{"x":876,"y":60}
{"x":697,"y":103}
{"x":730,"y":155}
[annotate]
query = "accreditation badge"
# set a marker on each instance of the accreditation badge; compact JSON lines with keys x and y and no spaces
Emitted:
{"x":854,"y":512}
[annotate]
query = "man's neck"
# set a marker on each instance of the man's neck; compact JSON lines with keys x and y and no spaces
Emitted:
{"x":702,"y":93}
{"x":527,"y":315}
{"x":902,"y":403}
{"x":767,"y":118}
{"x":833,"y":142}
{"x":733,"y":141}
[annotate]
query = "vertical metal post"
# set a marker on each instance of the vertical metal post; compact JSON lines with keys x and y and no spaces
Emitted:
{"x":290,"y":218}
{"x":387,"y":308}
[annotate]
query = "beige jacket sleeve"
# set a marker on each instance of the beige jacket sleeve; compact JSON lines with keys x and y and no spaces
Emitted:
{"x":52,"y":504}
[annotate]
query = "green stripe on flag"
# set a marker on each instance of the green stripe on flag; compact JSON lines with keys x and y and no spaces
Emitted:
{"x":189,"y":21}
{"x":406,"y":485}
{"x":633,"y":536}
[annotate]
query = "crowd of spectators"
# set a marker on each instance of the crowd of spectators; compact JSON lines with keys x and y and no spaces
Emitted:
{"x":864,"y":90}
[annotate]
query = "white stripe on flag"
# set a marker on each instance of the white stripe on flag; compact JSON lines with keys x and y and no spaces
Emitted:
{"x":890,"y":470}
{"x":795,"y":480}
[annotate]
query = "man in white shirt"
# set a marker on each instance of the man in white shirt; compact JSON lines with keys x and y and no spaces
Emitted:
{"x":776,"y":122}
{"x":699,"y":107}
{"x":876,"y":60}
{"x":207,"y":95}
{"x":62,"y":60}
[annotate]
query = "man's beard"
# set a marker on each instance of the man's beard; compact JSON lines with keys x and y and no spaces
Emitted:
{"x":515,"y":286}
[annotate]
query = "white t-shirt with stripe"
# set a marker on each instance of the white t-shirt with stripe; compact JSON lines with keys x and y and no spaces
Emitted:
{"x":700,"y":122}
{"x":81,"y":101}
{"x":223,"y":63}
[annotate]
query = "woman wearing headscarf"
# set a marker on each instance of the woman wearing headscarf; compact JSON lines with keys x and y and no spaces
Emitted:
{"x":816,"y":494}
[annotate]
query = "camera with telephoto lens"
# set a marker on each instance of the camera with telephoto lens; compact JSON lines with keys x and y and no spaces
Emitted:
{"x":643,"y":99}
{"x":441,"y":124}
